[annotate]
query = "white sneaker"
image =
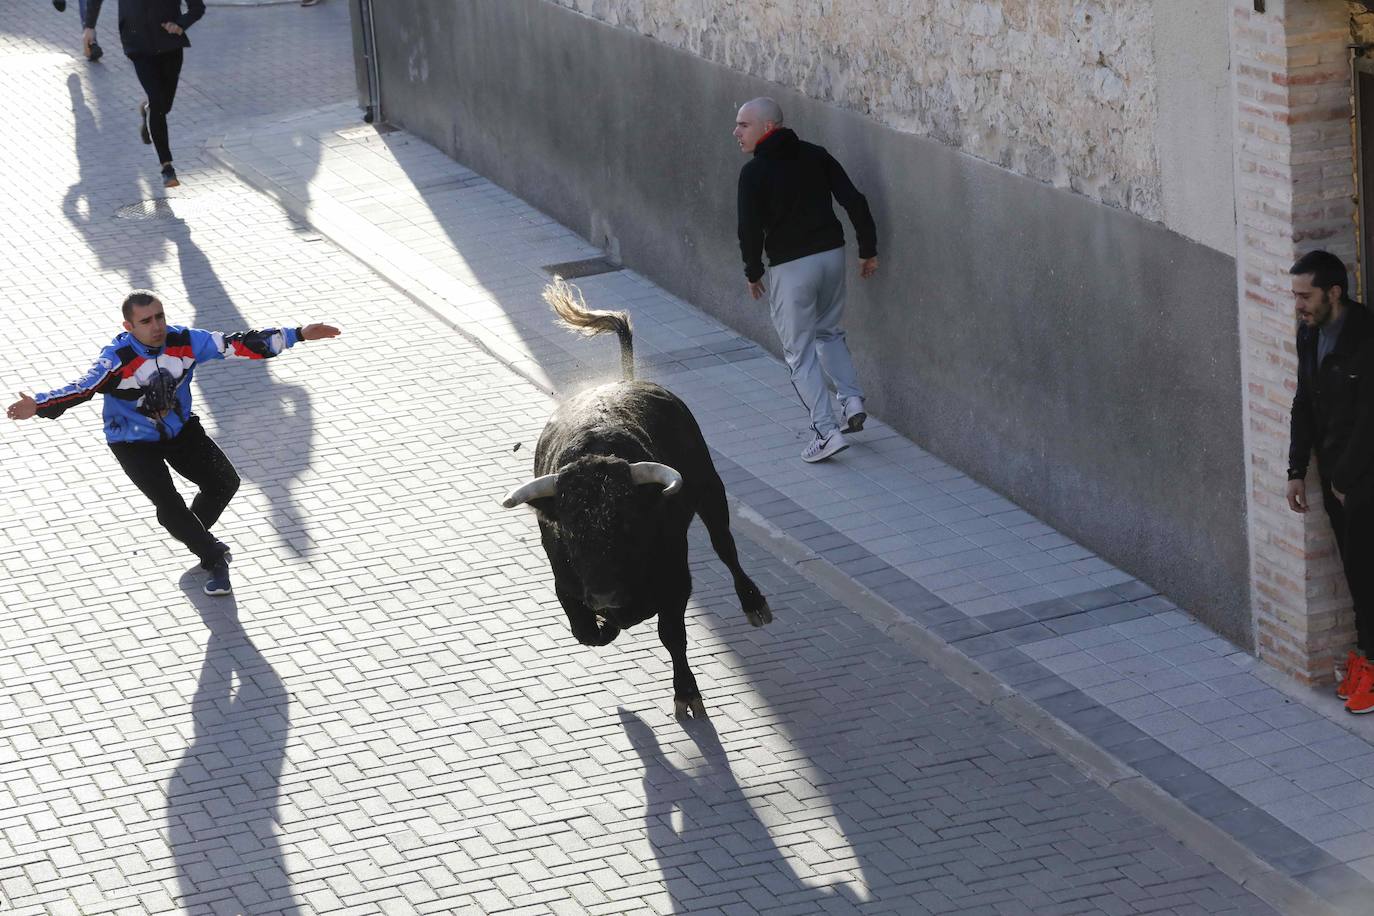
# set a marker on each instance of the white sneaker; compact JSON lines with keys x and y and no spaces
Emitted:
{"x":822,"y":447}
{"x":854,"y":415}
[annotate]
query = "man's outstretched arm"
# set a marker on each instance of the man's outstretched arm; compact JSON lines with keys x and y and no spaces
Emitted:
{"x":102,"y":377}
{"x":263,"y":344}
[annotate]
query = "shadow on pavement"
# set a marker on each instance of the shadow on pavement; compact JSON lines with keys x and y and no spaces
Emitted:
{"x":265,"y":425}
{"x":222,"y":799}
{"x":713,"y":813}
{"x":87,"y":204}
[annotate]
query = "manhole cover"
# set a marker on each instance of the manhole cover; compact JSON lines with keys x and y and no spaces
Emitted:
{"x":161,"y":208}
{"x":590,"y":267}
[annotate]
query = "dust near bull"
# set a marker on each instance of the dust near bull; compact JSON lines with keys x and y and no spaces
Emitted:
{"x":620,"y":470}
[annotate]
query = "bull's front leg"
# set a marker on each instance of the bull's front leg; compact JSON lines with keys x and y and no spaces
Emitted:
{"x":672,"y":631}
{"x":587,"y":627}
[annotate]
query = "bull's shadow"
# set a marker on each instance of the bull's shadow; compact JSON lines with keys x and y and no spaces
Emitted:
{"x":265,"y":425}
{"x":702,"y":801}
{"x":222,"y":799}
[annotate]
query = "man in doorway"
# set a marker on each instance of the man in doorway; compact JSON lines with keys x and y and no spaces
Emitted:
{"x":145,"y":376}
{"x":1333,"y":416}
{"x":785,"y":210}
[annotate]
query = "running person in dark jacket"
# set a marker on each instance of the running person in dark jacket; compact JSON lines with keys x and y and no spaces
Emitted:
{"x":153,"y":33}
{"x":784,"y":209}
{"x":145,"y":376}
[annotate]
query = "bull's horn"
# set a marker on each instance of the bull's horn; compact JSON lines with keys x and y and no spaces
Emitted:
{"x":653,"y":472}
{"x":537,"y":488}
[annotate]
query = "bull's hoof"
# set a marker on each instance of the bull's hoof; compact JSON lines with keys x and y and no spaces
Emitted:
{"x":689,"y":709}
{"x":761,"y":615}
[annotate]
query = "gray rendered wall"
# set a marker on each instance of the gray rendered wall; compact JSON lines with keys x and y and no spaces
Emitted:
{"x":1078,"y":359}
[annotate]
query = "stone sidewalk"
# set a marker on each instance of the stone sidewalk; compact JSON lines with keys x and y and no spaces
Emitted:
{"x":1283,"y":772}
{"x":388,"y":716}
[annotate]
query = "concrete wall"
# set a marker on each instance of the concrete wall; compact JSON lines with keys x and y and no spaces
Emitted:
{"x":1126,"y":103}
{"x":1075,"y":356}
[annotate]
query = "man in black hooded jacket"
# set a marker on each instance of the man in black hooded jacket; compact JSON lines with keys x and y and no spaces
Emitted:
{"x":785,"y":194}
{"x":153,"y":33}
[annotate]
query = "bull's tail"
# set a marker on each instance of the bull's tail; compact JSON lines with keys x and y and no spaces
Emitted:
{"x":573,"y":314}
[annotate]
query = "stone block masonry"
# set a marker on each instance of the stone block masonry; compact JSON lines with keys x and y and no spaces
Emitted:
{"x":1062,"y":91}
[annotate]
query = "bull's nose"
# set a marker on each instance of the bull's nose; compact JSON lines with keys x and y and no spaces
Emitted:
{"x":601,"y":601}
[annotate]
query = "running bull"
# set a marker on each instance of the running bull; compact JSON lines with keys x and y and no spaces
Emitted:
{"x":620,"y":471}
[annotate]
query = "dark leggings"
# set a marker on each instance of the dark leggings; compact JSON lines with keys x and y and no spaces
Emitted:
{"x":195,"y":456}
{"x":158,"y":74}
{"x":1353,"y":524}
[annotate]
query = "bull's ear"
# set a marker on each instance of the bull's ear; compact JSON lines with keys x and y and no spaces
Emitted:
{"x":546,"y":506}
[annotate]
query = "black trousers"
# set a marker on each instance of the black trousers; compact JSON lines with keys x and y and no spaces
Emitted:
{"x":1353,"y":524}
{"x":195,"y":456}
{"x":158,"y":74}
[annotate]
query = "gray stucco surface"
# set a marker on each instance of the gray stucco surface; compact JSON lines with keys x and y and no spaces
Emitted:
{"x":1079,"y":359}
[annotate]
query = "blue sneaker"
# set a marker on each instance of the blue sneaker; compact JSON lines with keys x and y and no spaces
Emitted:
{"x":218,"y":583}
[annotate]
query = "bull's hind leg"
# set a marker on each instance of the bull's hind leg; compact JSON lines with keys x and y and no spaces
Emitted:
{"x":715,"y":514}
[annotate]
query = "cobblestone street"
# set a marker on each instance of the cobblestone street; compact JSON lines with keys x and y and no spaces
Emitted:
{"x":389,"y":715}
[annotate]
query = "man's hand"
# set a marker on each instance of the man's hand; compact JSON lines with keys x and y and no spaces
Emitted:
{"x":868,"y":267}
{"x":87,"y":39}
{"x":22,"y":409}
{"x":757,"y":289}
{"x":1297,"y":495}
{"x":1340,"y":497}
{"x":318,"y":331}
{"x":171,"y":28}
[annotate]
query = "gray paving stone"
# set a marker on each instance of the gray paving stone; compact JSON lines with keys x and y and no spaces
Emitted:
{"x":413,"y":731}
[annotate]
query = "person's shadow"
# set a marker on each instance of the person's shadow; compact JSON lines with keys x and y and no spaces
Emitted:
{"x":104,"y":182}
{"x":222,"y":799}
{"x":266,"y":425}
{"x":703,"y":801}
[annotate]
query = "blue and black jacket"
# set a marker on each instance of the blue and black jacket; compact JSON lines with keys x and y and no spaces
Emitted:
{"x":147,"y":389}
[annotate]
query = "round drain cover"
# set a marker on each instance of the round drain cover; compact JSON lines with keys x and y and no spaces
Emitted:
{"x":162,"y":208}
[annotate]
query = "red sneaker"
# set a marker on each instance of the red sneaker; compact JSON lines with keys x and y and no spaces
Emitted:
{"x":1362,"y":692}
{"x":1353,"y":663}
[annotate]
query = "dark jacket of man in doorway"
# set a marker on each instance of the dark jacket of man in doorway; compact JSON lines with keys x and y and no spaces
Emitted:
{"x":1333,"y":417}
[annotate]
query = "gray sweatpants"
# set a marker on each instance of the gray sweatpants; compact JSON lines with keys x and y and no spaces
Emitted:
{"x":806,"y":299}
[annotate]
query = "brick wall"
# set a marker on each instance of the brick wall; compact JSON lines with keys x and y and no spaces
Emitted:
{"x":1294,"y":193}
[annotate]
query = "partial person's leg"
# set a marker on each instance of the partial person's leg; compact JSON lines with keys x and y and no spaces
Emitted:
{"x":143,"y":463}
{"x":148,"y":69}
{"x":792,"y":290}
{"x":158,"y":74}
{"x":195,"y":456}
{"x":830,"y":345}
{"x":1358,"y":560}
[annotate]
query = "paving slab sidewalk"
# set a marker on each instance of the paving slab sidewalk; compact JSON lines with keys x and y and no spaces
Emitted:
{"x":1175,"y":714}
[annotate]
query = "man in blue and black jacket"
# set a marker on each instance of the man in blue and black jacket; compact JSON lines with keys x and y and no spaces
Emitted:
{"x":145,"y":377}
{"x":785,"y":194}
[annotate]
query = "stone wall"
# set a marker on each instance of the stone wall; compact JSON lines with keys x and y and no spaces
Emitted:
{"x":1062,"y":91}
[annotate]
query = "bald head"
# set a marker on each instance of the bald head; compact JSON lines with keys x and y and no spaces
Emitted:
{"x":765,"y":109}
{"x":755,"y":119}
